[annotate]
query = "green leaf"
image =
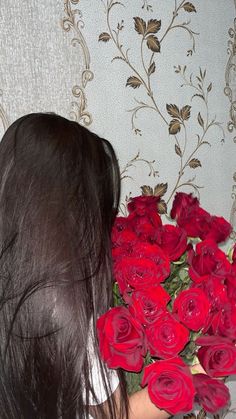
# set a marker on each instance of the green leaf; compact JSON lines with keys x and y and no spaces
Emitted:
{"x":133,"y":381}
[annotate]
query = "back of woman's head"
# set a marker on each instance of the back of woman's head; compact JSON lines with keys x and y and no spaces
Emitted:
{"x":59,"y":189}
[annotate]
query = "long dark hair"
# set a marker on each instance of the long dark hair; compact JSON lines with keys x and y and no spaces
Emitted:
{"x":59,"y":191}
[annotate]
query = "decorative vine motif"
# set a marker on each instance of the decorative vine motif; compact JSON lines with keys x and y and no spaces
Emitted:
{"x":230,"y":78}
{"x":151,"y":40}
{"x":3,"y":116}
{"x":179,"y":124}
{"x":178,"y":128}
{"x":125,"y":175}
{"x":78,"y":112}
{"x":230,"y":91}
{"x":132,"y":163}
{"x":146,"y":5}
{"x":73,"y":21}
{"x":148,"y":31}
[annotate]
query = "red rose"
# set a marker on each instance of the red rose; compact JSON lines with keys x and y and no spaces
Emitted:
{"x":133,"y":273}
{"x":193,"y":219}
{"x":120,"y":224}
{"x":149,"y":304}
{"x":211,"y":394}
{"x":166,"y":337}
{"x":170,"y":385}
{"x":144,"y":218}
{"x":155,"y":253}
{"x":118,"y":253}
{"x":208,"y":260}
{"x":219,"y":230}
{"x":143,"y":228}
{"x":121,"y":340}
{"x":234,"y":254}
{"x":196,"y":221}
{"x":146,"y":226}
{"x":143,"y":204}
{"x":227,"y":321}
{"x":231,"y":284}
{"x":217,"y":355}
{"x":125,"y":240}
{"x":183,"y":205}
{"x":216,"y":292}
{"x":173,"y":241}
{"x":192,"y":308}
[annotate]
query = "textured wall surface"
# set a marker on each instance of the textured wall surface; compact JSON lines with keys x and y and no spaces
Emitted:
{"x":155,"y":77}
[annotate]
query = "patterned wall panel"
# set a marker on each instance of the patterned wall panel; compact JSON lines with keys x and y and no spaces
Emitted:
{"x":156,"y":78}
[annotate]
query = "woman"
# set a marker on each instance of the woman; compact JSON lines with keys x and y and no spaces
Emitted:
{"x":59,"y":192}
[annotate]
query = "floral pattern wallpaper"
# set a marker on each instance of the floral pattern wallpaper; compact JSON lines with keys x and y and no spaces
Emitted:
{"x":155,"y":77}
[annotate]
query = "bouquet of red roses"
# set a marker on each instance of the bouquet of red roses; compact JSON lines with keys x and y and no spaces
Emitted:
{"x":175,"y":293}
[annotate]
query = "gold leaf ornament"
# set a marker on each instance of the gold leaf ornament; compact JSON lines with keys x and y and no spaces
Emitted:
{"x":160,"y":189}
{"x":173,"y":110}
{"x":134,"y":82}
{"x":209,"y":87}
{"x":200,"y":120}
{"x":162,"y":207}
{"x":189,"y":7}
{"x":174,"y":126}
{"x":153,"y":43}
{"x":194,"y":163}
{"x":153,"y":26}
{"x":104,"y":36}
{"x":146,"y":190}
{"x":178,"y":150}
{"x":152,"y":68}
{"x":140,"y":25}
{"x":185,"y":112}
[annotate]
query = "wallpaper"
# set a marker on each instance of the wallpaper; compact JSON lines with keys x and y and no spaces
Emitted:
{"x":155,"y":77}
